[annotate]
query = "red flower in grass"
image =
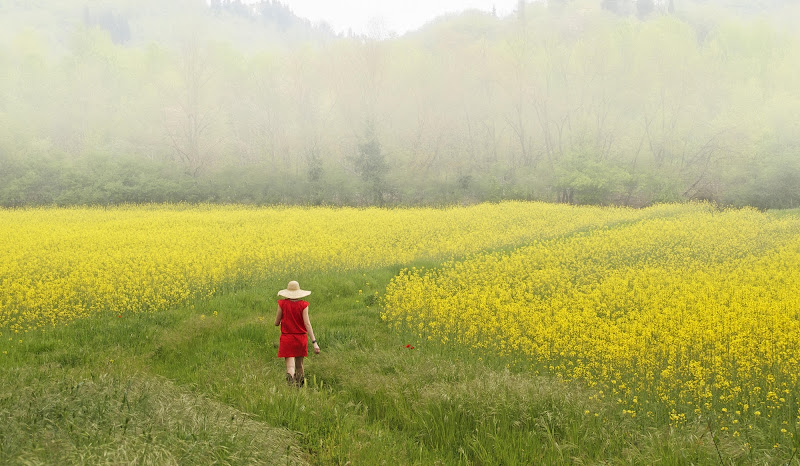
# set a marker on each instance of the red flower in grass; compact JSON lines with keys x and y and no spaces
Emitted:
{"x":409,"y":347}
{"x":119,"y":316}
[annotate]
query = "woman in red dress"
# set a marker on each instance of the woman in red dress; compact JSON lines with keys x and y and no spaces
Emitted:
{"x":295,"y":329}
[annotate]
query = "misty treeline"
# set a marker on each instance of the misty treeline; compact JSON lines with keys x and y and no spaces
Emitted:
{"x":571,"y":101}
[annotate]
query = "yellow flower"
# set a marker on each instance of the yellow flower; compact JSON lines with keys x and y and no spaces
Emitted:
{"x":686,"y":311}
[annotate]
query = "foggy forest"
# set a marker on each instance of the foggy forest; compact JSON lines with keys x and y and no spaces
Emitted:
{"x":606,"y":102}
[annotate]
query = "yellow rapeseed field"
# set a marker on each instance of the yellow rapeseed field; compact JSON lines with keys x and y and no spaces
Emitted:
{"x":694,"y":315}
{"x":57,"y":265}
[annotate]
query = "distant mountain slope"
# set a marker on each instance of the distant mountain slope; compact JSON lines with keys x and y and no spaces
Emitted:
{"x":167,"y":22}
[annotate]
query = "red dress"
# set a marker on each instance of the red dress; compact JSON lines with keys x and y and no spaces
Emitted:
{"x":294,"y":340}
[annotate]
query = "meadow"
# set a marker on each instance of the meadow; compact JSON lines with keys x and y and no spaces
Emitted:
{"x":511,"y":333}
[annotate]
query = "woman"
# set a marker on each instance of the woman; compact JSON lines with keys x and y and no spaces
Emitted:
{"x":295,"y":329}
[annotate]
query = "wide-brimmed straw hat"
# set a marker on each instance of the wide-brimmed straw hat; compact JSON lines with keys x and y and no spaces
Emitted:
{"x":293,"y":291}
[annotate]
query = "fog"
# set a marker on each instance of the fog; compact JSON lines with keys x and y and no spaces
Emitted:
{"x":626,"y":102}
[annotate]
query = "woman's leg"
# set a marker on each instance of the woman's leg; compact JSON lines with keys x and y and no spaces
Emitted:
{"x":300,"y":374}
{"x":290,"y":368}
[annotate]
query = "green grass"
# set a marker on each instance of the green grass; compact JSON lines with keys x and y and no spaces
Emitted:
{"x":186,"y":386}
{"x":785,"y":212}
{"x":55,"y":415}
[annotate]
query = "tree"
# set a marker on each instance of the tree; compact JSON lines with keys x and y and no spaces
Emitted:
{"x":191,"y":118}
{"x":562,"y":101}
{"x":644,"y":7}
{"x":370,"y":164}
{"x":620,"y":7}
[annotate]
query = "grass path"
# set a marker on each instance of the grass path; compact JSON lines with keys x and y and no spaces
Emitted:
{"x":202,"y":384}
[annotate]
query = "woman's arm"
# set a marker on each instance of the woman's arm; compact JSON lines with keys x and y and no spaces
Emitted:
{"x":310,"y":330}
{"x":278,"y":316}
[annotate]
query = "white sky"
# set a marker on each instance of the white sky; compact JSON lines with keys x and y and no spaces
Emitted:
{"x":399,"y":16}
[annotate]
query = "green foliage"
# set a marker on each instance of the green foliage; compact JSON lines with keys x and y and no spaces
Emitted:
{"x":582,"y":180}
{"x":370,"y":164}
{"x":771,"y":184}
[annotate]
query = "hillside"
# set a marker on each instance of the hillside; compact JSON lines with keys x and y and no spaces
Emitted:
{"x":584,"y":102}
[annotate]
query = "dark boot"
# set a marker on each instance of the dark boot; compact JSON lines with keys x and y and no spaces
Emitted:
{"x":299,"y":380}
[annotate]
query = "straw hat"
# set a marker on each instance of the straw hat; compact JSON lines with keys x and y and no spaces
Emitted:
{"x":293,"y":291}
